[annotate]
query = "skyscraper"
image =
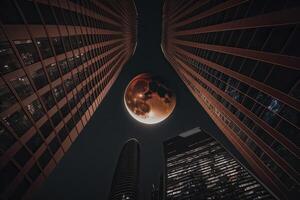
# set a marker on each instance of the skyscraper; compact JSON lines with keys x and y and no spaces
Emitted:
{"x":241,"y":62}
{"x":126,"y":177}
{"x":58,"y":60}
{"x":199,"y":167}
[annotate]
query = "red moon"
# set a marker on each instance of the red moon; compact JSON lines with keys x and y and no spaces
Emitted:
{"x":148,"y":99}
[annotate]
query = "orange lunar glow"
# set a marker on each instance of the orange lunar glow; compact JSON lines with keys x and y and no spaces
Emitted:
{"x":148,"y":100}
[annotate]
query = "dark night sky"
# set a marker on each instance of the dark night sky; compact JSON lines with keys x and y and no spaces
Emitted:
{"x":85,"y":172}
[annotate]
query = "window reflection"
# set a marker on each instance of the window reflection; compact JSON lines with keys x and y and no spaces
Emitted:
{"x":48,"y":100}
{"x":44,"y":47}
{"x":53,"y":71}
{"x":35,"y":109}
{"x":69,"y":84}
{"x":8,"y":59}
{"x":58,"y":46}
{"x":22,"y":86}
{"x":58,"y":92}
{"x":63,"y":65}
{"x":19,"y":122}
{"x":39,"y":78}
{"x":27,"y":51}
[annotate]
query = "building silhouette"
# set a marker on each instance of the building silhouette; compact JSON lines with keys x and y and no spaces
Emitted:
{"x":241,"y":62}
{"x":198,"y":167}
{"x":126,"y":176}
{"x":58,"y":60}
{"x":157,"y":191}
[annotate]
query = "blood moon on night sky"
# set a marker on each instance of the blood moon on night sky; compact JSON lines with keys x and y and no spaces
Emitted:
{"x":148,"y":99}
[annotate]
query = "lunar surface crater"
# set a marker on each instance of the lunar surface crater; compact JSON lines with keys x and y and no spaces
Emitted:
{"x":148,"y":99}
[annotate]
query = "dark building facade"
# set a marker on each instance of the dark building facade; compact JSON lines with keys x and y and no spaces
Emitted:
{"x":241,"y":62}
{"x":157,"y":192}
{"x":199,"y":167}
{"x":126,"y":176}
{"x":58,"y":60}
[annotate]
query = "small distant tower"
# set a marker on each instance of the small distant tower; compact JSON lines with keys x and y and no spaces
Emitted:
{"x":126,"y":177}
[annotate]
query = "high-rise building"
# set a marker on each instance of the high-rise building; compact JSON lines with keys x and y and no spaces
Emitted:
{"x":198,"y":167}
{"x":241,"y":61}
{"x":126,"y":176}
{"x":58,"y":60}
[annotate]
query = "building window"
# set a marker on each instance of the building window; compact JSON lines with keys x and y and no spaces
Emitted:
{"x":67,"y":43}
{"x":22,"y":156}
{"x":289,"y":131}
{"x":39,"y":78}
{"x":7,"y":98}
{"x":6,"y":139}
{"x":58,"y":46}
{"x":59,"y":15}
{"x":71,"y":62}
{"x":46,"y":129}
{"x":30,"y":12}
{"x":63,"y":65}
{"x":19,"y":122}
{"x":44,"y":47}
{"x":54,"y":145}
{"x":58,"y":93}
{"x":9,"y":13}
{"x":35,"y":109}
{"x":45,"y":158}
{"x":53,"y":71}
{"x":27,"y":51}
{"x":63,"y":133}
{"x":22,"y":87}
{"x":65,"y":110}
{"x":47,"y":14}
{"x":34,"y":143}
{"x":69,"y":84}
{"x":8,"y":59}
{"x":56,"y":118}
{"x":48,"y":100}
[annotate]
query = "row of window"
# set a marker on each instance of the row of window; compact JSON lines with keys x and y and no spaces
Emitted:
{"x":29,"y":54}
{"x":244,"y":10}
{"x":264,"y":106}
{"x":98,"y":10}
{"x":19,"y":120}
{"x":23,"y":87}
{"x":39,"y":13}
{"x":267,"y":73}
{"x":266,"y":113}
{"x":203,"y":7}
{"x":281,"y":39}
{"x":10,"y":171}
{"x":285,"y":178}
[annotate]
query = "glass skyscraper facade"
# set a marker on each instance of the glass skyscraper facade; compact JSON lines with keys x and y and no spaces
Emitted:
{"x":241,"y":62}
{"x":58,"y":60}
{"x":199,"y":167}
{"x":125,"y":183}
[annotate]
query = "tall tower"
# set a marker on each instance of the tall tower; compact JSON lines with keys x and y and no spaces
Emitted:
{"x":199,"y":167}
{"x":58,"y":60}
{"x":126,"y":177}
{"x":240,"y":60}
